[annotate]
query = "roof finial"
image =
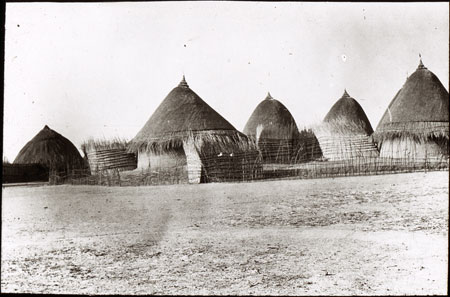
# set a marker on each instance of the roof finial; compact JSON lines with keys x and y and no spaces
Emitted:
{"x":46,"y":127}
{"x":183,"y":83}
{"x":345,"y":93}
{"x":421,"y":66}
{"x":269,"y":96}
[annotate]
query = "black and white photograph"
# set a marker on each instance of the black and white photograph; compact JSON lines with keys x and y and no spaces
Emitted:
{"x":225,"y":148}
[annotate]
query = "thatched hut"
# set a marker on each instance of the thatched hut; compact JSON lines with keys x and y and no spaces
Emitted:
{"x":52,"y":150}
{"x":185,"y":136}
{"x":108,"y":155}
{"x":345,"y":131}
{"x":274,"y":131}
{"x":416,"y":122}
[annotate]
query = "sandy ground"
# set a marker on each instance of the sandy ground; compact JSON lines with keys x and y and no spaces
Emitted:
{"x":354,"y":235}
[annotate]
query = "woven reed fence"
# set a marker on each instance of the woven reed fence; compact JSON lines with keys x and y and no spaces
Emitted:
{"x":308,"y":161}
{"x":232,"y":167}
{"x":316,"y":169}
{"x":252,"y":170}
{"x":114,"y":177}
{"x":353,"y":167}
{"x":278,"y":151}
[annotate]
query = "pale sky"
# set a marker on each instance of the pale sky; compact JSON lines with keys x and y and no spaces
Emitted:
{"x":101,"y":69}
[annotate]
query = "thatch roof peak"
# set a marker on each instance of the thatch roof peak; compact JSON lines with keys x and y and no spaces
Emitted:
{"x":46,"y":133}
{"x":183,"y":83}
{"x":347,"y":112}
{"x":422,"y":102}
{"x":274,"y":119}
{"x":422,"y":98}
{"x":421,"y":66}
{"x":181,"y":114}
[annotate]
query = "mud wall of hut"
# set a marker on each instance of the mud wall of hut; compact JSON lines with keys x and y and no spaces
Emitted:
{"x":194,"y":164}
{"x":169,"y":163}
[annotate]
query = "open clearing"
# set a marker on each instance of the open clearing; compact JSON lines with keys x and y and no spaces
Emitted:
{"x":355,"y":235}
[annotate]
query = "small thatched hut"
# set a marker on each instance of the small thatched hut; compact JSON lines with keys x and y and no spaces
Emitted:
{"x":107,"y":155}
{"x":274,"y":131}
{"x":416,"y":122}
{"x":345,"y":131}
{"x":185,"y":136}
{"x":52,"y":150}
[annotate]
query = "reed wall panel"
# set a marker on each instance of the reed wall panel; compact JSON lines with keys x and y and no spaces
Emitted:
{"x":114,"y":158}
{"x":409,"y":148}
{"x":343,"y":147}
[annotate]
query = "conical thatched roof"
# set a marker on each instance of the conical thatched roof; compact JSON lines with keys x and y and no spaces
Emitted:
{"x":273,"y":119}
{"x":346,"y":115}
{"x":420,"y":108}
{"x":52,"y":150}
{"x":183,"y":114}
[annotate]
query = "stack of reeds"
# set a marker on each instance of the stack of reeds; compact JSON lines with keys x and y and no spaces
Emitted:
{"x":105,"y":154}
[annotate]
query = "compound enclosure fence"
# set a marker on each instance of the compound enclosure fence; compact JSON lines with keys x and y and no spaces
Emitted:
{"x":310,"y":157}
{"x":242,"y":169}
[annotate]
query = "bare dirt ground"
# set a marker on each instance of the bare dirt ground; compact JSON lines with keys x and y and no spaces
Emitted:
{"x":355,"y":235}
